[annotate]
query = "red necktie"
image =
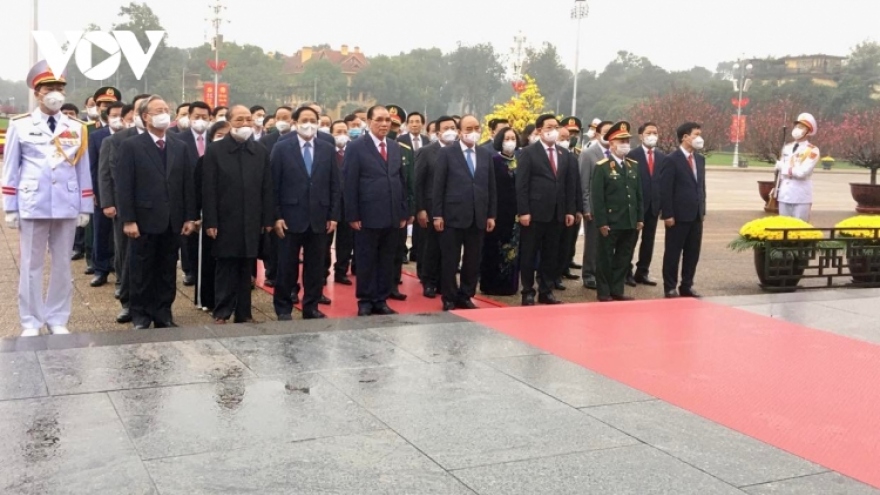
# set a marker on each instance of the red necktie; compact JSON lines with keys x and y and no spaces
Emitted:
{"x":691,"y":162}
{"x":161,"y":144}
{"x":200,"y":143}
{"x":651,"y":162}
{"x":382,"y":151}
{"x":552,"y":154}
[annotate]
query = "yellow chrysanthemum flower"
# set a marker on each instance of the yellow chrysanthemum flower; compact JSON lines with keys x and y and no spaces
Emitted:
{"x":859,"y":222}
{"x":757,"y":229}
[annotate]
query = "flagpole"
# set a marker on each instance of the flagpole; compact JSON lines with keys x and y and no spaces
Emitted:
{"x":34,"y":53}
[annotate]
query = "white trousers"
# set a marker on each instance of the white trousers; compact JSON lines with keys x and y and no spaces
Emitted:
{"x":35,"y":236}
{"x":796,"y":210}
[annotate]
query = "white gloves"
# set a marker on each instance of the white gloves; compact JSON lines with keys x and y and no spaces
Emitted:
{"x":82,"y":220}
{"x":12,"y":220}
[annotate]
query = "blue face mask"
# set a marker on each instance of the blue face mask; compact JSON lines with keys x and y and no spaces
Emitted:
{"x":354,"y":133}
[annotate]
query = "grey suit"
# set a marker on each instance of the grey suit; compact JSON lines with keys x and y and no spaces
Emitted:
{"x":587,"y":163}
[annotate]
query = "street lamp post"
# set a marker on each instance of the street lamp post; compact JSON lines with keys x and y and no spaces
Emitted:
{"x":578,"y":12}
{"x":740,"y":84}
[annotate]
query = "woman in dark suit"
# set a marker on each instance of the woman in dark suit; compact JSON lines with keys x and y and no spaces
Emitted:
{"x":499,"y":268}
{"x":205,"y":278}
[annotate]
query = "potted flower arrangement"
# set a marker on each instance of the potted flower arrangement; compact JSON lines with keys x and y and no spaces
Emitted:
{"x":827,"y":162}
{"x":863,"y":256}
{"x":780,"y":264}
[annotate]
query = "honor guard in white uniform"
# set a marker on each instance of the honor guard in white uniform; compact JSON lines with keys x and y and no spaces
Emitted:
{"x":794,"y":191}
{"x":47,"y":193}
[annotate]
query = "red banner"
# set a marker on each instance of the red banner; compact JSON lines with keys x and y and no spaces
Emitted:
{"x":208,"y":94}
{"x":734,"y":125}
{"x":222,"y":94}
{"x":740,"y":103}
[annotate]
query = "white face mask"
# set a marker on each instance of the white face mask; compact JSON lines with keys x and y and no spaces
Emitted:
{"x":341,"y":140}
{"x":160,"y":121}
{"x":533,"y":138}
{"x":242,"y":133}
{"x":306,"y":130}
{"x":650,"y":140}
{"x":563,"y":144}
{"x":324,"y":129}
{"x":183,"y":122}
{"x":222,"y":118}
{"x":92,"y":112}
{"x":432,"y":136}
{"x":259,"y":121}
{"x":218,"y":138}
{"x":591,"y":133}
{"x":622,"y":150}
{"x":550,"y":137}
{"x":282,"y":126}
{"x":363,"y":125}
{"x":448,"y":136}
{"x":53,"y":100}
{"x":470,"y":138}
{"x":199,"y":125}
{"x":697,"y":143}
{"x":138,"y":122}
{"x":116,"y":123}
{"x":798,"y":133}
{"x":508,"y":146}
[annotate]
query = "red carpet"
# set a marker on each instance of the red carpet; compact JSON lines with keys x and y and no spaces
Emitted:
{"x":345,"y":303}
{"x":809,"y":392}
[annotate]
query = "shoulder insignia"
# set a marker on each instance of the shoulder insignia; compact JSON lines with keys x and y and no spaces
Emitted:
{"x":811,"y":146}
{"x":403,"y":145}
{"x":80,"y":121}
{"x":19,"y":116}
{"x":630,"y":160}
{"x":602,"y":162}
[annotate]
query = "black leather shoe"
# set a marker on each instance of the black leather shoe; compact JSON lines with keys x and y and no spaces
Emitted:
{"x":605,"y":299}
{"x":670,"y":294}
{"x":99,"y":280}
{"x":448,"y":305}
{"x":465,"y":304}
{"x":630,"y":281}
{"x":117,"y":293}
{"x":268,"y":283}
{"x":324,"y":300}
{"x":430,"y":292}
{"x":141,"y":327}
{"x":645,"y":280}
{"x":342,"y":279}
{"x":124,"y":316}
{"x":89,"y":270}
{"x":397,"y":296}
{"x":548,"y":299}
{"x":77,"y":256}
{"x":295,"y":298}
{"x":383,"y":309}
{"x":285,"y":318}
{"x":189,"y":280}
{"x":623,"y":298}
{"x":590,"y":283}
{"x":689,"y":293}
{"x":575,"y":266}
{"x":164,"y":324}
{"x":528,"y":300}
{"x":557,"y":284}
{"x":570,"y":276}
{"x":313,"y":314}
{"x":365,"y":309}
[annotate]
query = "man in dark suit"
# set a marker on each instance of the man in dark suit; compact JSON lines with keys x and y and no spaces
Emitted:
{"x":307,"y":187}
{"x":650,"y":160}
{"x":376,"y":208}
{"x":102,"y":245}
{"x":283,"y":114}
{"x":344,"y":235}
{"x":107,"y":178}
{"x":194,"y":137}
{"x":464,"y":210}
{"x":545,"y":199}
{"x":429,"y":259}
{"x":494,"y":126}
{"x":156,"y":199}
{"x":683,"y":205}
{"x":414,"y":137}
{"x":283,"y":125}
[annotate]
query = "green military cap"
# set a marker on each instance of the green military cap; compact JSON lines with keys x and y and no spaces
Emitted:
{"x":619,"y":130}
{"x":572,"y":124}
{"x":398,"y":114}
{"x":107,"y":93}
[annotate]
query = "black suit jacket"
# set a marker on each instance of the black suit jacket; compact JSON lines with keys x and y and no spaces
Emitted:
{"x":150,"y":194}
{"x":407,"y":140}
{"x":683,"y":197}
{"x":462,"y":200}
{"x":426,"y":163}
{"x":651,"y":200}
{"x":375,"y":189}
{"x":107,"y":166}
{"x":539,"y":192}
{"x":269,"y":140}
{"x":96,"y":138}
{"x":303,"y":201}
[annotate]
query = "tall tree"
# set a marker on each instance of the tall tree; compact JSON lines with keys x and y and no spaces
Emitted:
{"x":680,"y":105}
{"x":323,"y":80}
{"x":550,"y":73}
{"x":475,"y":74}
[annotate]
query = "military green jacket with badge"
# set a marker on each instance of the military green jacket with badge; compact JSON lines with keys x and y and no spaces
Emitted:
{"x":617,"y":194}
{"x":409,"y":167}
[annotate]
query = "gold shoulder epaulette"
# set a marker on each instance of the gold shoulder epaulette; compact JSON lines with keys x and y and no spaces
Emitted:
{"x":631,"y":160}
{"x":80,"y":121}
{"x":404,"y":145}
{"x":602,"y":162}
{"x":19,"y":116}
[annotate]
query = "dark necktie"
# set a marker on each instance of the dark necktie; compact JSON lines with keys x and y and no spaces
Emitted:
{"x":469,"y":155}
{"x":307,"y":157}
{"x":794,"y":150}
{"x":551,"y":153}
{"x":52,"y":124}
{"x":691,"y":163}
{"x":382,"y":151}
{"x":161,"y":144}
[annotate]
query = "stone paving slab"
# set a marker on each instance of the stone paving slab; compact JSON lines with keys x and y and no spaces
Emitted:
{"x":823,"y":316}
{"x":817,"y":484}
{"x":21,"y":376}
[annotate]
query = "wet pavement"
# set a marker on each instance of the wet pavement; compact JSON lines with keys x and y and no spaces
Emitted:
{"x":421,"y":404}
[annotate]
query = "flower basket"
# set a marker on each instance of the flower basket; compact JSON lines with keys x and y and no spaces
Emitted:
{"x":779,"y":272}
{"x":780,"y":257}
{"x":827,"y":163}
{"x":863,"y":255}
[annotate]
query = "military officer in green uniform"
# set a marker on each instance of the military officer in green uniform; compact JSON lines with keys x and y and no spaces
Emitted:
{"x":617,"y":209}
{"x":574,"y":126}
{"x":398,"y":117}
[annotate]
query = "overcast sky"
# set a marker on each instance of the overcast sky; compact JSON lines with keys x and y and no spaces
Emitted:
{"x":674,"y":34}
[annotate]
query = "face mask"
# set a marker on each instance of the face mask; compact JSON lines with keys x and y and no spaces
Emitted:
{"x":622,"y":150}
{"x":551,"y":136}
{"x":470,"y":138}
{"x":138,"y":122}
{"x":650,"y":140}
{"x":591,"y":133}
{"x":198,"y":125}
{"x":798,"y":133}
{"x":354,"y":133}
{"x":573,"y":142}
{"x":324,"y":129}
{"x":448,"y":136}
{"x":242,"y":133}
{"x":508,"y":146}
{"x":160,"y":121}
{"x":282,"y":126}
{"x":218,"y":138}
{"x":341,"y":140}
{"x":222,"y":118}
{"x":259,"y":121}
{"x":562,"y":144}
{"x":433,"y":137}
{"x":697,"y":143}
{"x":533,"y":138}
{"x":183,"y":122}
{"x":363,"y":125}
{"x":116,"y":123}
{"x":306,"y":130}
{"x":129,"y":125}
{"x":92,"y":112}
{"x":53,"y":100}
